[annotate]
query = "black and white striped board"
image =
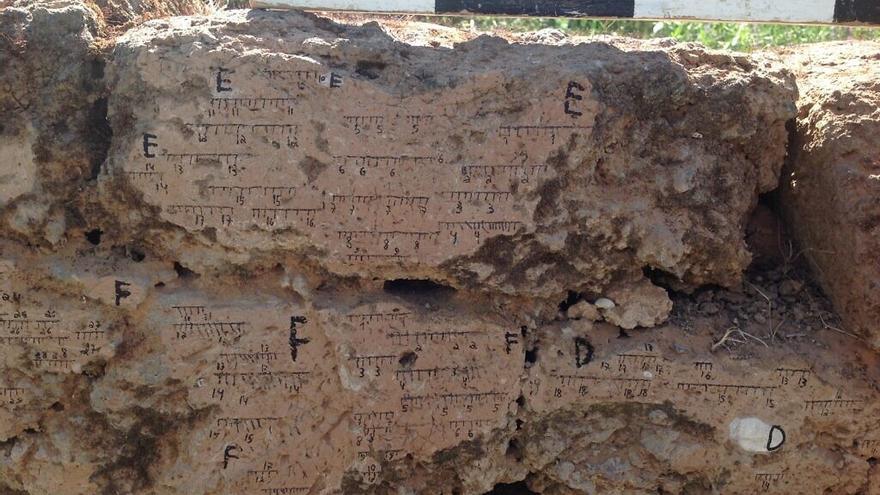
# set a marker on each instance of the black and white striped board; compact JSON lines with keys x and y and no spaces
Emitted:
{"x":797,"y":11}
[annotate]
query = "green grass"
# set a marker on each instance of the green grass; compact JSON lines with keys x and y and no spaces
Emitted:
{"x":728,"y":35}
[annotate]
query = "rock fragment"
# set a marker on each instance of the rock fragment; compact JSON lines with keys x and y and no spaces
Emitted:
{"x":584,"y":310}
{"x":642,"y":304}
{"x":754,"y":435}
{"x":604,"y":303}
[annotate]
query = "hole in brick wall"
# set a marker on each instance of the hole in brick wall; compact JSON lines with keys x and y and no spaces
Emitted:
{"x":95,"y":369}
{"x":661,"y":278}
{"x":572,"y":299}
{"x":99,"y":136}
{"x":94,"y":236}
{"x":96,"y":67}
{"x":518,"y":488}
{"x":766,"y":236}
{"x":184,"y":272}
{"x":872,"y":461}
{"x":414,"y":287}
{"x":514,"y":450}
{"x":531,"y":356}
{"x":136,"y":254}
{"x":408,"y":359}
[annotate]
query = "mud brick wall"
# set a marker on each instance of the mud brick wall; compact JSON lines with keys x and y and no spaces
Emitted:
{"x":269,"y":252}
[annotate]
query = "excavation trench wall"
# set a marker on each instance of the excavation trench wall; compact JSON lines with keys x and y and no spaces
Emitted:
{"x":266,"y":252}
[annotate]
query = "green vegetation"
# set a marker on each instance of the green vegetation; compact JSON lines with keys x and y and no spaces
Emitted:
{"x":728,"y":35}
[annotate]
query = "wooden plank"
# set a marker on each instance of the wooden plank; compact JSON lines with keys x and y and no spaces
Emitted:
{"x":794,"y":11}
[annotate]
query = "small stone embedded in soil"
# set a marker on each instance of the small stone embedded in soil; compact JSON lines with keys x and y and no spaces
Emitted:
{"x":584,"y":310}
{"x":604,"y":303}
{"x":639,"y":305}
{"x":754,"y":435}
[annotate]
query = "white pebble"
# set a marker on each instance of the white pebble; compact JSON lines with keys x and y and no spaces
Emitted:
{"x":604,"y":303}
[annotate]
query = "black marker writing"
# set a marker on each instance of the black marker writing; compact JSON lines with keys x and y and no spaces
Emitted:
{"x":571,"y":97}
{"x":148,"y":143}
{"x":510,"y":338}
{"x":774,"y":442}
{"x":295,"y":341}
{"x":582,"y":345}
{"x":227,"y":455}
{"x":121,"y":292}
{"x":223,"y":84}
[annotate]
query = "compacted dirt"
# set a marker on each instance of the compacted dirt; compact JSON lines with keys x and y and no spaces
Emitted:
{"x":832,"y":181}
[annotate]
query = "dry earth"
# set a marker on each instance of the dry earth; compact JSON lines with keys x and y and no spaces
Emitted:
{"x":832,"y":182}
